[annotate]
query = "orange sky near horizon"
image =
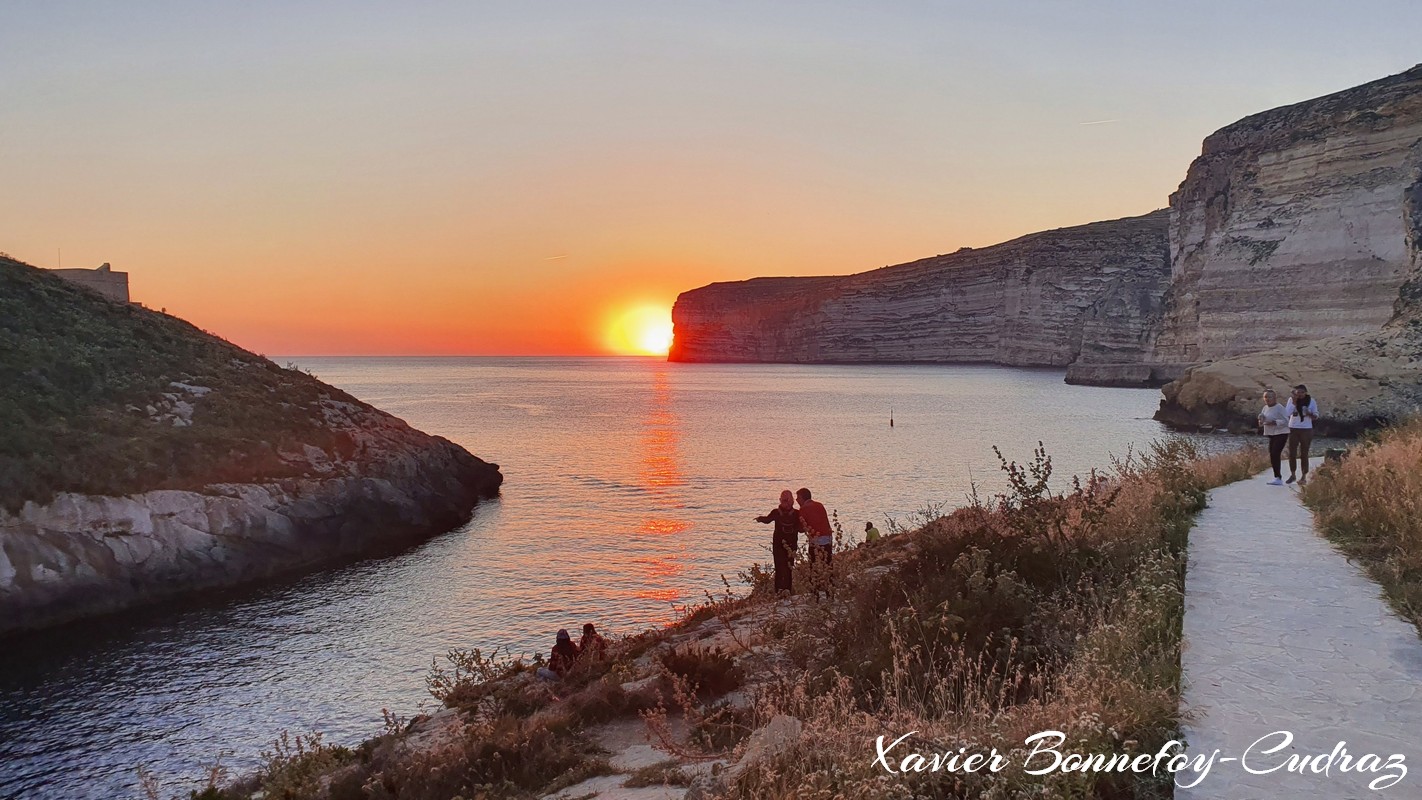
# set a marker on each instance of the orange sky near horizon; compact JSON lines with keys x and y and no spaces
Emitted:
{"x":462,"y":178}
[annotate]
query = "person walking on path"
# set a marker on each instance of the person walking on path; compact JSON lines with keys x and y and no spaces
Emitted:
{"x":1274,"y":419}
{"x":817,"y":529}
{"x":784,"y":541}
{"x":1302,"y":410}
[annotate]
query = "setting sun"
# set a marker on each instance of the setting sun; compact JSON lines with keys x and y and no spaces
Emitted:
{"x":644,"y":330}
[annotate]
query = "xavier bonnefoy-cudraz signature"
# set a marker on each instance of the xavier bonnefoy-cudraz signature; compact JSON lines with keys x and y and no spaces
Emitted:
{"x":1047,"y":752}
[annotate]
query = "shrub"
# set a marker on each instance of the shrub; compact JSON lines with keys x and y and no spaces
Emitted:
{"x":1370,"y":504}
{"x":498,"y":757}
{"x":604,"y":700}
{"x":664,"y":773}
{"x":294,"y":766}
{"x":708,"y":672}
{"x":470,"y":676}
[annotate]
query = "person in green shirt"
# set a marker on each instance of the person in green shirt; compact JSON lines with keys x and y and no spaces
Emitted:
{"x":871,"y":533}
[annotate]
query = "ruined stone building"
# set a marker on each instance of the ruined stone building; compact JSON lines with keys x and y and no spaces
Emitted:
{"x":110,"y":284}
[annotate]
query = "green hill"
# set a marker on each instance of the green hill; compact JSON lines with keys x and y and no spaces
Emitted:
{"x":84,"y":381}
{"x":104,"y":403}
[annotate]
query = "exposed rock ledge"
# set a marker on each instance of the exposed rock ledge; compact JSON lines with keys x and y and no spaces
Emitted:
{"x":1360,"y":383}
{"x":80,"y":555}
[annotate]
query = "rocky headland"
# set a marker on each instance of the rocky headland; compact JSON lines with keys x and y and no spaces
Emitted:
{"x":1046,"y":299}
{"x":1289,"y":254}
{"x":142,"y":458}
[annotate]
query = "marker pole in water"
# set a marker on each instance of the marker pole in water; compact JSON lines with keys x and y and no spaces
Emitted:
{"x":891,"y":416}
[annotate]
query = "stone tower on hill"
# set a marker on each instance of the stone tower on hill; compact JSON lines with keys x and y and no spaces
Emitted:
{"x":110,"y":284}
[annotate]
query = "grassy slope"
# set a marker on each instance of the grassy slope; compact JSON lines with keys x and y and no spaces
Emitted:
{"x":1370,"y":505}
{"x":73,"y":366}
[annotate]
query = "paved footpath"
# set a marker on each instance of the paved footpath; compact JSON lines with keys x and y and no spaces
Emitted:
{"x":1282,"y":633}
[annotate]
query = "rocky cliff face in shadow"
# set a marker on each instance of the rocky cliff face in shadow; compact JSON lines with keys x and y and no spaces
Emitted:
{"x":1294,"y":243}
{"x":1046,"y":299}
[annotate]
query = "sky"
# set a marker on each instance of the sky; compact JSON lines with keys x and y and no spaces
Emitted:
{"x":544,"y":178}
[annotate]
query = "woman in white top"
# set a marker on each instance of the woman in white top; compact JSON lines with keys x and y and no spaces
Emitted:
{"x":1275,"y":422}
{"x":1302,"y":411}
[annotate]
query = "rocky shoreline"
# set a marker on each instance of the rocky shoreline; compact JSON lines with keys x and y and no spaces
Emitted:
{"x":1363,"y":383}
{"x":80,"y":555}
{"x":757,"y":694}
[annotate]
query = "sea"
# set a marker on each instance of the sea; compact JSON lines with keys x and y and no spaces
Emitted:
{"x":631,"y":488}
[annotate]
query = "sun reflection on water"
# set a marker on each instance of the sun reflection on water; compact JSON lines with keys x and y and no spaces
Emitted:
{"x":661,"y":475}
{"x":662,"y":527}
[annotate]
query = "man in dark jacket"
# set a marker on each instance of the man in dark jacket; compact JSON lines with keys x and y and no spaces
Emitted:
{"x":785,"y":540}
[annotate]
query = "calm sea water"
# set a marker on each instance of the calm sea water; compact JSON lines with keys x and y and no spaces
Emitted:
{"x":630,"y":489}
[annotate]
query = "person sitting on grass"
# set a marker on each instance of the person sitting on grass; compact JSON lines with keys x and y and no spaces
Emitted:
{"x":592,"y":647}
{"x":563,"y":658}
{"x":871,"y":533}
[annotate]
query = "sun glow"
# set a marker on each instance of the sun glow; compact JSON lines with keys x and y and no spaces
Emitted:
{"x":644,"y":330}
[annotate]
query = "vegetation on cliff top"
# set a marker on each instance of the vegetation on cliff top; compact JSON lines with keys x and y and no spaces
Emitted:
{"x":1370,"y":505}
{"x":1034,"y":610}
{"x":82,"y":397}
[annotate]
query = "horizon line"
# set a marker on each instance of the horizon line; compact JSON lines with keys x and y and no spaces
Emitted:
{"x":464,"y":355}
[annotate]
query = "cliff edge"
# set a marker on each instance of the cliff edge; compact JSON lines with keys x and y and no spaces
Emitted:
{"x":141,"y":458}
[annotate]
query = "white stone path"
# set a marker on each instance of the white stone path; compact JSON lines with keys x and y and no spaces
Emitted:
{"x":1282,"y":633}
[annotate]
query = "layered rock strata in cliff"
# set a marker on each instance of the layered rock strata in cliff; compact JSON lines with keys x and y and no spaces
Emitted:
{"x":1294,"y":243}
{"x":1045,"y":299}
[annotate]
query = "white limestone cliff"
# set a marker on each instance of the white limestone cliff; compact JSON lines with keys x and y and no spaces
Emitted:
{"x":1040,"y":300}
{"x":1290,"y":256}
{"x":1294,"y":241}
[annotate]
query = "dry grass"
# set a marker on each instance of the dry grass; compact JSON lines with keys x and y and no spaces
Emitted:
{"x":1037,"y":609}
{"x":1033,"y":611}
{"x":664,"y":773}
{"x":1370,"y":504}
